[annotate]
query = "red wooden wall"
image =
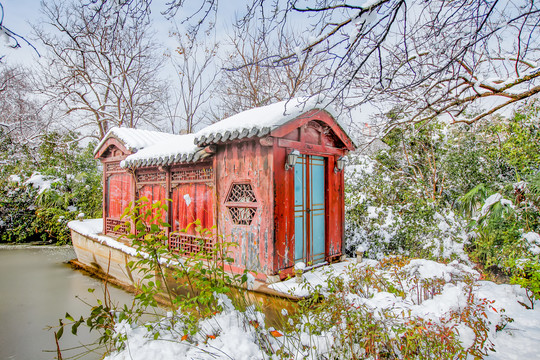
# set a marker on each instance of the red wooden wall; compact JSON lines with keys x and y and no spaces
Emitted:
{"x":191,"y":202}
{"x":119,"y":194}
{"x":246,"y":163}
{"x":152,"y":184}
{"x":118,"y":189}
{"x":191,"y":191}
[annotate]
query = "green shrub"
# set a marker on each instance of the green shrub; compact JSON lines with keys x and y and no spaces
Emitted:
{"x":28,"y":212}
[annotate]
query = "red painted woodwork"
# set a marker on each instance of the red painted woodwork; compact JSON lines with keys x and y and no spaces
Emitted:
{"x":191,"y":202}
{"x":247,"y":163}
{"x":119,"y":194}
{"x":317,"y":115}
{"x":107,"y":149}
{"x":154,"y":193}
{"x":311,"y":138}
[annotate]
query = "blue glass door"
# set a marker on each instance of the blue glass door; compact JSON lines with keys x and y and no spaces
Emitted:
{"x":309,"y":209}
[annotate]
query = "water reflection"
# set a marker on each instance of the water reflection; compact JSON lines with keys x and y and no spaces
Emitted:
{"x":37,"y":288}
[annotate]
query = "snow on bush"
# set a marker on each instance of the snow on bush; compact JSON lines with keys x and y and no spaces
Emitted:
{"x":533,"y":239}
{"x":395,"y":308}
{"x":41,"y":182}
{"x":383,"y":224}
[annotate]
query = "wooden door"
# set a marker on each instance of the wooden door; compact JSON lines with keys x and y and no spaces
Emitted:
{"x":309,"y":210}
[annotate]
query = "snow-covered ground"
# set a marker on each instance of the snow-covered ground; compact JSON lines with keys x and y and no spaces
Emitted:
{"x":232,"y":334}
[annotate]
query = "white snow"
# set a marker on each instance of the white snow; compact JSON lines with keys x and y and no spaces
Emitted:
{"x":229,"y":334}
{"x":172,"y":146}
{"x":135,"y":139}
{"x":270,"y":116}
{"x":490,"y":201}
{"x":534,"y":242}
{"x":92,"y":228}
{"x":14,"y":179}
{"x":41,"y":182}
{"x":521,"y":338}
{"x":373,"y":212}
{"x":232,"y":334}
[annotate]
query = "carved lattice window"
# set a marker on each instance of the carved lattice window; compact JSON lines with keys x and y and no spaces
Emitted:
{"x":242,"y":216}
{"x":241,"y":193}
{"x":242,"y":204}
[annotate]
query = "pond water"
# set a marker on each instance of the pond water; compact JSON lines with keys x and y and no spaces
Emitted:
{"x":37,"y":287}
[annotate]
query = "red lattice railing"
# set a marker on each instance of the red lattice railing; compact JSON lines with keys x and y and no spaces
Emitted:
{"x":190,"y":244}
{"x":110,"y":225}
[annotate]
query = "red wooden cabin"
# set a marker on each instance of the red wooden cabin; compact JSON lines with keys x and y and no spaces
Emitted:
{"x":271,"y":178}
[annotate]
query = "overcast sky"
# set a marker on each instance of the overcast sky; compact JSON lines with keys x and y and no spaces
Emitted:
{"x":18,"y":14}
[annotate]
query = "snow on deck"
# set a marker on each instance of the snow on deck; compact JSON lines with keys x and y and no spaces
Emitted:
{"x":92,"y":228}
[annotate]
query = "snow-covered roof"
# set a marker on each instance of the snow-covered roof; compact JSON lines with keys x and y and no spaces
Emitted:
{"x":155,"y":148}
{"x":176,"y":149}
{"x":135,"y":139}
{"x":257,"y":122}
{"x":151,"y":148}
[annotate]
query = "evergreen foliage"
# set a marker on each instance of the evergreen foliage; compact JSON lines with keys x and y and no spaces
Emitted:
{"x":44,"y":186}
{"x":437,"y":189}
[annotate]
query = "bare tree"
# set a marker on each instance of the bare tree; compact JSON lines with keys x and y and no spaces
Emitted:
{"x":246,"y":82}
{"x":194,"y":63}
{"x":105,"y":73}
{"x":461,"y":59}
{"x":21,"y":115}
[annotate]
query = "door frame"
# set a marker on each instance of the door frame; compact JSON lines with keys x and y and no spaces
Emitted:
{"x":308,"y":234}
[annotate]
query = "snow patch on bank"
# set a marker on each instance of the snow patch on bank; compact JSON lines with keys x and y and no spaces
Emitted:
{"x":233,"y":334}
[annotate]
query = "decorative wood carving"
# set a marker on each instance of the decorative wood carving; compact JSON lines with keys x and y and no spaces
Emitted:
{"x":241,"y":193}
{"x":241,"y":202}
{"x":191,"y":175}
{"x":113,"y":167}
{"x":146,"y":177}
